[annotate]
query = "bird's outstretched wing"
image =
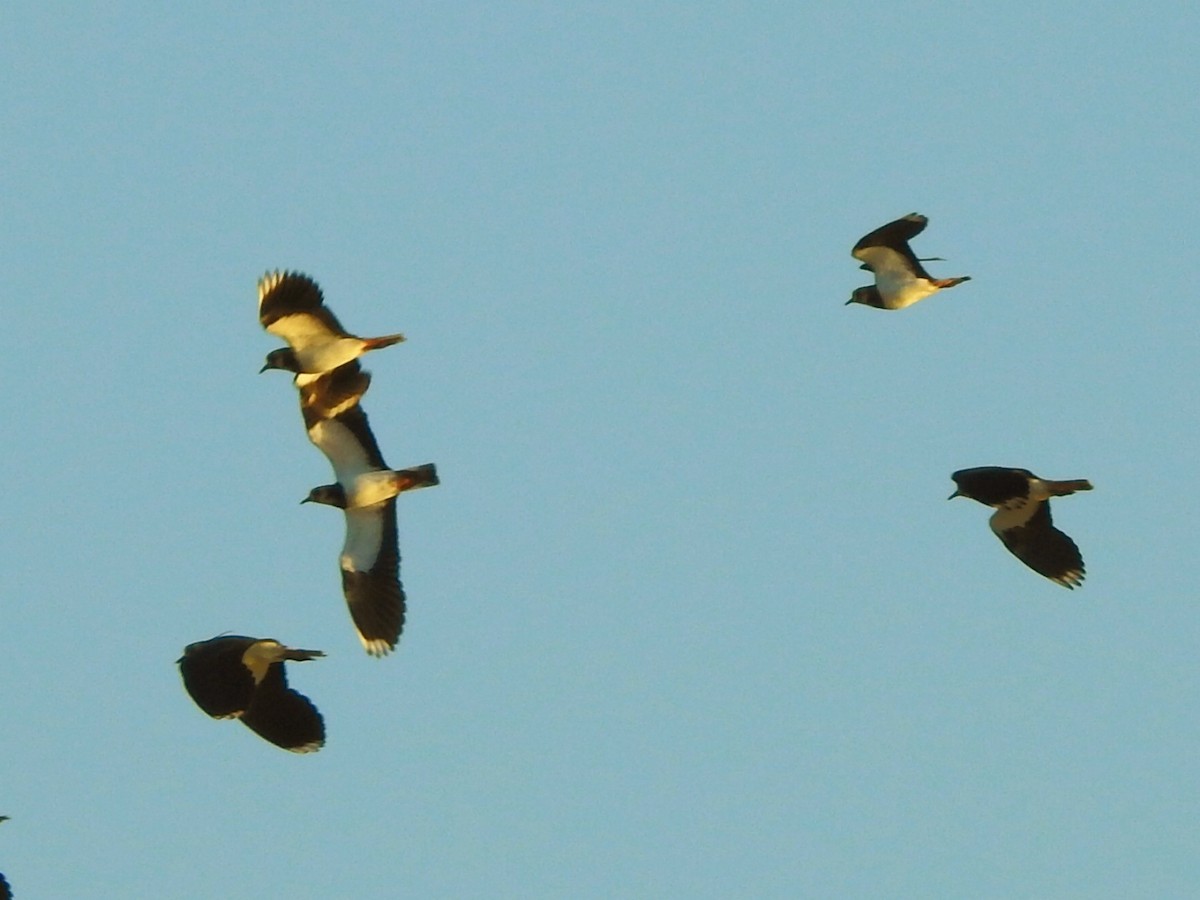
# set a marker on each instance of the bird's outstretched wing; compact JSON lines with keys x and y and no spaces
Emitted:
{"x":1045,"y":549}
{"x":215,"y":678}
{"x":291,"y":306}
{"x":370,"y":564}
{"x":330,"y":394}
{"x":284,"y":716}
{"x":348,"y":443}
{"x":885,"y":250}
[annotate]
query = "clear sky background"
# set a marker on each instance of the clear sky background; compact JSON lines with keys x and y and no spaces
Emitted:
{"x":689,"y":615}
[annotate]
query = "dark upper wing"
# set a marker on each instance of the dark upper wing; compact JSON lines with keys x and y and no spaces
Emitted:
{"x":1045,"y":549}
{"x":283,"y":716}
{"x":348,"y":443}
{"x":215,"y":677}
{"x":881,"y":247}
{"x":291,"y":306}
{"x":332,"y":393}
{"x":5,"y":890}
{"x":371,"y":576}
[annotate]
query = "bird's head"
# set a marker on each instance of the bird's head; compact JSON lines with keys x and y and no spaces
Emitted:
{"x":283,"y":358}
{"x":867,"y":296}
{"x":329,"y":494}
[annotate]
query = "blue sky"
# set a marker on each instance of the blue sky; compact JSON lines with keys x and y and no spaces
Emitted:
{"x":689,"y":615}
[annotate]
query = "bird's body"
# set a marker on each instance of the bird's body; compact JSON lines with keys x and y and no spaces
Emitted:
{"x":291,"y":306}
{"x":1022,"y":518}
{"x":900,"y":279}
{"x":366,"y":491}
{"x":234,"y":676}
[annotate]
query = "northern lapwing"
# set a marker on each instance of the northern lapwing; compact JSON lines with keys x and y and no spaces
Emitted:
{"x":900,"y":279}
{"x":366,"y":491}
{"x":233,"y":676}
{"x":290,"y":306}
{"x":1022,"y":517}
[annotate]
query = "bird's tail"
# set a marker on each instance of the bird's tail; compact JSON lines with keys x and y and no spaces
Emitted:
{"x":1064,"y":488}
{"x":387,"y":340}
{"x":950,"y":282}
{"x":295,"y":655}
{"x":417,"y":477}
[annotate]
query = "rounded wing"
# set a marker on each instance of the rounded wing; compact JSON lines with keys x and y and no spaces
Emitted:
{"x":348,"y":443}
{"x":284,"y":716}
{"x":370,"y":565}
{"x":1045,"y":549}
{"x":885,"y":251}
{"x":291,"y":306}
{"x":214,"y":676}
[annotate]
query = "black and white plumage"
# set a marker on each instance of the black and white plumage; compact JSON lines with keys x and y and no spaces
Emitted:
{"x":233,"y":676}
{"x":331,"y":393}
{"x":1022,"y":518}
{"x":900,"y":279}
{"x":366,"y":491}
{"x":291,"y":306}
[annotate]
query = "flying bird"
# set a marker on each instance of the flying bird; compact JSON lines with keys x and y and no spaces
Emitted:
{"x":290,"y":306}
{"x":366,"y":491}
{"x":900,"y":279}
{"x":233,"y":676}
{"x":1022,"y":518}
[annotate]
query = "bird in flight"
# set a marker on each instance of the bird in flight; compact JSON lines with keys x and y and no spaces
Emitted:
{"x":291,"y":306}
{"x":233,"y":676}
{"x":900,"y":279}
{"x":1022,"y":517}
{"x":366,"y":490}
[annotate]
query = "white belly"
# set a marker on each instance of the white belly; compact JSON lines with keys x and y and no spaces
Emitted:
{"x":371,"y":488}
{"x":328,"y":355}
{"x":905,"y":290}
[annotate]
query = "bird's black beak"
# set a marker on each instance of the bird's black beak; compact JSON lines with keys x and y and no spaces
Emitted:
{"x":264,"y":368}
{"x":305,"y":500}
{"x":848,"y":302}
{"x":955,"y":494}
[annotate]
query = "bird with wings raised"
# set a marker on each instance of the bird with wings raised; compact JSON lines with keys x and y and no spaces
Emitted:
{"x":1022,"y":517}
{"x":291,"y":306}
{"x":233,"y":676}
{"x":900,"y":279}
